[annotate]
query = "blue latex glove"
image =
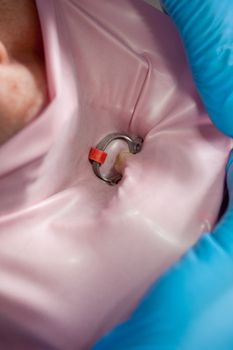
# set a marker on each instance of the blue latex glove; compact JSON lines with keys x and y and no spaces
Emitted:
{"x":191,"y":307}
{"x":206,"y":28}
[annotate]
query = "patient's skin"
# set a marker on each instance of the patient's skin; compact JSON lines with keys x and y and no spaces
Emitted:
{"x":23,"y":87}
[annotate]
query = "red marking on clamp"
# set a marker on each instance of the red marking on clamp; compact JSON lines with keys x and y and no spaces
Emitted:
{"x":97,"y":155}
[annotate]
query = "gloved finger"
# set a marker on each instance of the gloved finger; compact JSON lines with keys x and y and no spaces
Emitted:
{"x":206,"y":28}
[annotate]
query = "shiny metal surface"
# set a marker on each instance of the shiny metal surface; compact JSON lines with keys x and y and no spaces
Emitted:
{"x":134,"y":145}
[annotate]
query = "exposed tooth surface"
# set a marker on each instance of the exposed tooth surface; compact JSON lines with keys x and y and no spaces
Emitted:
{"x":121,"y":160}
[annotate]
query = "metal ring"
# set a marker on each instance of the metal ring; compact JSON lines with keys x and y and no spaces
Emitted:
{"x":134,"y":144}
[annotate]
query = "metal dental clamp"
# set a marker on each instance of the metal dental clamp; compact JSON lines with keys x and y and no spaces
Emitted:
{"x":98,"y":155}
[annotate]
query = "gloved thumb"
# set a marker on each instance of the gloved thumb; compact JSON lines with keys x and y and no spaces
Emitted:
{"x":206,"y":28}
